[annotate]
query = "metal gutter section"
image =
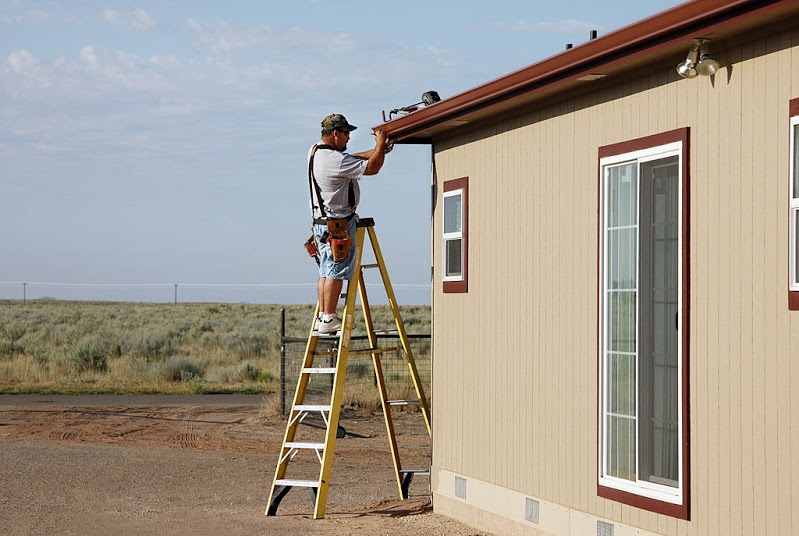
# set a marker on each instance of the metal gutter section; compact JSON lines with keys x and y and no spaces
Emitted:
{"x":606,"y":55}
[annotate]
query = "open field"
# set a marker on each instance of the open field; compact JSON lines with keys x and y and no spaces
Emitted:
{"x":109,"y":347}
{"x":193,"y":465}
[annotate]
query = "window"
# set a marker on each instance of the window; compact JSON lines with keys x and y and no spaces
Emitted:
{"x":643,"y":323}
{"x":455,"y":235}
{"x":793,"y":288}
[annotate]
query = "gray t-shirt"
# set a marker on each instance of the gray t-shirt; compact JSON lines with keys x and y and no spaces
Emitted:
{"x":333,"y":171}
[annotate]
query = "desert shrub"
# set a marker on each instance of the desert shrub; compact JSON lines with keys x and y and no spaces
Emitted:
{"x":10,"y":334}
{"x":13,"y":331}
{"x":88,"y":355}
{"x":195,"y":384}
{"x":265,"y":377}
{"x":151,"y":344}
{"x":54,"y":343}
{"x":248,"y":371}
{"x":180,"y":369}
{"x":358,"y":369}
{"x":10,"y":348}
{"x":222,"y":375}
{"x":245,"y":344}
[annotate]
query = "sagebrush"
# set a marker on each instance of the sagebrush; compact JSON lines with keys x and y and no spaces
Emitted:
{"x":69,"y":346}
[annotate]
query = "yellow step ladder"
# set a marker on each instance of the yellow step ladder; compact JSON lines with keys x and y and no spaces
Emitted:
{"x":330,"y":413}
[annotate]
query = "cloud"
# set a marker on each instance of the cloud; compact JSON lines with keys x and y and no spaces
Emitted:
{"x":88,"y":56}
{"x":562,"y":27}
{"x":32,"y":15}
{"x":22,"y":62}
{"x":134,"y":104}
{"x":138,"y":19}
{"x":223,"y":37}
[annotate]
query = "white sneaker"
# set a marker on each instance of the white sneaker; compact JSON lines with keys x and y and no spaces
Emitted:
{"x":329,"y":327}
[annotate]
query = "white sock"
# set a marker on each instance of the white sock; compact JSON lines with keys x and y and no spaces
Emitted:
{"x":327,"y":317}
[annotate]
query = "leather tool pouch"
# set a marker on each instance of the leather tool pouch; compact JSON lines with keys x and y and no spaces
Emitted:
{"x":340,"y":241}
{"x":310,"y":247}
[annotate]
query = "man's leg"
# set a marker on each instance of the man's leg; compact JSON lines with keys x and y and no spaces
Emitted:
{"x":329,"y":292}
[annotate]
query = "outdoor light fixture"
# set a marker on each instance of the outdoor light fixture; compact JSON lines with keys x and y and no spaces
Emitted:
{"x":707,"y":65}
{"x":428,"y":98}
{"x":697,"y":63}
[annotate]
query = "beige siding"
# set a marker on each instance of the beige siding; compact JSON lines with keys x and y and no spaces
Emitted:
{"x":515,"y":359}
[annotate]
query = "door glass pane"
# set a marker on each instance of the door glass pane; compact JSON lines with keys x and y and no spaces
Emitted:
{"x":452,"y":213}
{"x":658,"y":335}
{"x":621,"y":378}
{"x":621,"y":447}
{"x":622,"y":258}
{"x":622,"y":195}
{"x":621,"y":320}
{"x":622,"y":324}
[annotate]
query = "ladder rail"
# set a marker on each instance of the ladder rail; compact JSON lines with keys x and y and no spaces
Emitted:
{"x":381,"y":385}
{"x":338,"y":382}
{"x":392,"y":301}
{"x":291,"y":429}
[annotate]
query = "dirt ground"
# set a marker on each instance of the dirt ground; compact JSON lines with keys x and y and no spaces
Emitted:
{"x":130,"y":465}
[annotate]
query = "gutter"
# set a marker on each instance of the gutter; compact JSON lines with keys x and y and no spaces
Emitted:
{"x":657,"y":33}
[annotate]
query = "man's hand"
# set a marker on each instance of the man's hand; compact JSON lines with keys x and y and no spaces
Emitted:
{"x":382,"y":140}
{"x":382,"y":146}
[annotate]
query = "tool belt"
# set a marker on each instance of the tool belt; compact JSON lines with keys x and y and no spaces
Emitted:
{"x":340,"y":241}
{"x":337,"y":236}
{"x":323,"y":221}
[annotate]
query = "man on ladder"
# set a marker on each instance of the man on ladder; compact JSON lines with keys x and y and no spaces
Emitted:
{"x":333,"y":177}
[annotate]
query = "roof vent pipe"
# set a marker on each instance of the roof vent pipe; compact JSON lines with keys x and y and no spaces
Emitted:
{"x":593,"y":34}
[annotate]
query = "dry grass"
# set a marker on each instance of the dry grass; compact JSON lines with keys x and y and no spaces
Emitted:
{"x":109,"y":347}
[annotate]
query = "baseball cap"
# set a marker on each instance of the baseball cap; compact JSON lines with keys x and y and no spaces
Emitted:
{"x":336,"y":122}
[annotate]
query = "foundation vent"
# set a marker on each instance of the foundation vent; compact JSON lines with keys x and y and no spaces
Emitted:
{"x":460,"y":487}
{"x":531,"y":510}
{"x":604,"y":529}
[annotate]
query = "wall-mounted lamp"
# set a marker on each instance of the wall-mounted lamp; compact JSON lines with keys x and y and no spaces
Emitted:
{"x":697,"y":63}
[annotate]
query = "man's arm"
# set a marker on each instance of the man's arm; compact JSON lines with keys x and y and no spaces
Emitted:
{"x":376,"y":156}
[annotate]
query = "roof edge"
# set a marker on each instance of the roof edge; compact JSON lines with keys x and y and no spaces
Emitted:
{"x":679,"y":23}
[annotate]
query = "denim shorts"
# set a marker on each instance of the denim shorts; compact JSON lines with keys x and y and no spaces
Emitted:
{"x":328,"y":268}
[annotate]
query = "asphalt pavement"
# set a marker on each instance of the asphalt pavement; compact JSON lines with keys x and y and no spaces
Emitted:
{"x":131,"y":400}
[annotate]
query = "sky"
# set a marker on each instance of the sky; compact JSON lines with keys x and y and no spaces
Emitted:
{"x":156,"y":150}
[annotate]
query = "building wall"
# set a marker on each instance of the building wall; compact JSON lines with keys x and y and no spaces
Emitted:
{"x":515,"y":359}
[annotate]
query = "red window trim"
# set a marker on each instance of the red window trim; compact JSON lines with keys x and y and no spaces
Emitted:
{"x":462,"y":286}
{"x":793,"y":296}
{"x":680,"y":511}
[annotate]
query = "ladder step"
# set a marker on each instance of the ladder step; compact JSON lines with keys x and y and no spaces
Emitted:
{"x":422,"y":472}
{"x":374,"y":265}
{"x":319,"y":370}
{"x":326,"y":335}
{"x":298,"y":445}
{"x":402,"y":402}
{"x":375,"y":350}
{"x":297,"y":483}
{"x":311,"y":407}
{"x":386,"y":332}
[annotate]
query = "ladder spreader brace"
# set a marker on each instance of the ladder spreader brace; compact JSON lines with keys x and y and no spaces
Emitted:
{"x":330,"y":413}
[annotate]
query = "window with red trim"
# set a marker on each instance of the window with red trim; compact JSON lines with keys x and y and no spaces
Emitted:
{"x":793,"y":248}
{"x":643,"y":331}
{"x":455,"y":237}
